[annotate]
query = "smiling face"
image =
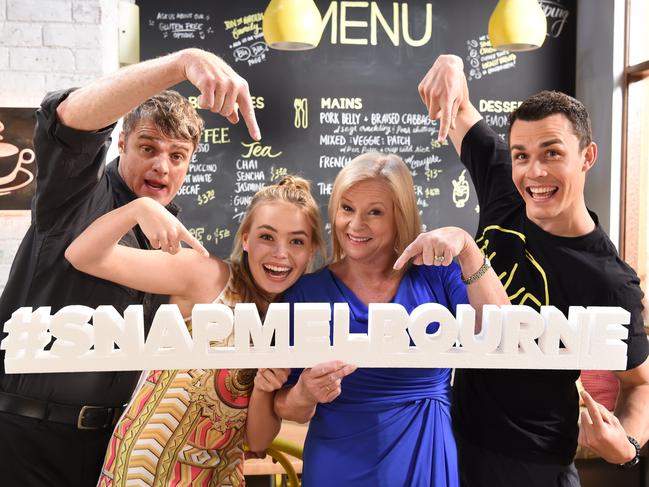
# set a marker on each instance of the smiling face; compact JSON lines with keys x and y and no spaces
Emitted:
{"x":151,"y":164}
{"x":279,"y":245}
{"x":549,"y":171}
{"x":364,"y":222}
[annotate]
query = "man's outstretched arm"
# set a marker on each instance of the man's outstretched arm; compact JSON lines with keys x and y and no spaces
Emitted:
{"x":104,"y":101}
{"x":445,"y":93}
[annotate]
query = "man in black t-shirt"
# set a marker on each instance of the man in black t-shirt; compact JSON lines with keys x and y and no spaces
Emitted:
{"x":55,"y":427}
{"x":519,"y":427}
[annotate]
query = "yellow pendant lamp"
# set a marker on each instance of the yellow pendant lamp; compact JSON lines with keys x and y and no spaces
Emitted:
{"x":517,"y":25}
{"x":292,"y":25}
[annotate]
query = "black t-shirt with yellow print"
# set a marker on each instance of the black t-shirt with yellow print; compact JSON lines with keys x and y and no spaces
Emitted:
{"x":532,"y":414}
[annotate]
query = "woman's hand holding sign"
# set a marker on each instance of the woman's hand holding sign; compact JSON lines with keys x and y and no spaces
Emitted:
{"x":322,"y":383}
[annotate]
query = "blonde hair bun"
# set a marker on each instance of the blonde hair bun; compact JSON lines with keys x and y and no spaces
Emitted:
{"x":296,"y":182}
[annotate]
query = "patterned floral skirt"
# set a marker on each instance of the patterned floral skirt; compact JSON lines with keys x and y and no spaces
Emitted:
{"x":183,"y":427}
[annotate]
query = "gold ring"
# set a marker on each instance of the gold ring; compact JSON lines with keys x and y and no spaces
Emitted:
{"x":439,"y":258}
{"x":327,"y":389}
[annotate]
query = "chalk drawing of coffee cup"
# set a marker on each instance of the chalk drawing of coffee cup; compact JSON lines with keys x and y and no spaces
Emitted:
{"x":11,"y":161}
{"x":460,"y":190}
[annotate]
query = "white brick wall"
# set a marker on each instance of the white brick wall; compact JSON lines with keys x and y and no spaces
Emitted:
{"x":58,"y":81}
{"x":47,"y":45}
{"x":13,"y":229}
{"x":86,"y":12}
{"x":41,"y":59}
{"x":40,"y":10}
{"x":25,"y":86}
{"x":16,"y":227}
{"x":4,"y":58}
{"x":88,"y":60}
{"x":21,"y":34}
{"x":71,"y":35}
{"x":44,"y":43}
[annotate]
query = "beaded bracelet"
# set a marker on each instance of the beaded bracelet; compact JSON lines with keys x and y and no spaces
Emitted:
{"x":479,"y":273}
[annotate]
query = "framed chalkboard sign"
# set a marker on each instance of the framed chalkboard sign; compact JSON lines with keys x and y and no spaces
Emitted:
{"x":17,"y":158}
{"x":357,"y":91}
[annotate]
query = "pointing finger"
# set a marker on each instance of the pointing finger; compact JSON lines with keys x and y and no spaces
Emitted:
{"x":248,"y":114}
{"x":411,"y":250}
{"x":593,"y":409}
{"x":454,"y":111}
{"x":445,"y":120}
{"x":422,"y":93}
{"x":193,"y":242}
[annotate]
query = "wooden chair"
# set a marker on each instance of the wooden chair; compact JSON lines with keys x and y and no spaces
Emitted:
{"x":284,"y":457}
{"x":278,"y":451}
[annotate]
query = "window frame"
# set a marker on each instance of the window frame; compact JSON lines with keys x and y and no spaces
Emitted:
{"x":632,"y":187}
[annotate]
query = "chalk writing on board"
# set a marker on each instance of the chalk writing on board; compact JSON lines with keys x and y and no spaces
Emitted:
{"x":182,"y":25}
{"x":345,"y":132}
{"x":348,"y":132}
{"x":247,"y":38}
{"x":496,"y":114}
{"x":208,"y":234}
{"x":253,"y":170}
{"x":201,"y":170}
{"x":485,"y":60}
{"x":356,"y":91}
{"x":460,"y":190}
{"x":556,"y":15}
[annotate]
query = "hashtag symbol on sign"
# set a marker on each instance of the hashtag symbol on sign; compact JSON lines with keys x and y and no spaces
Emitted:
{"x":27,"y":333}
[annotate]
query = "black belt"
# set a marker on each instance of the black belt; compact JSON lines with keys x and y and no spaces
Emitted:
{"x":83,"y":417}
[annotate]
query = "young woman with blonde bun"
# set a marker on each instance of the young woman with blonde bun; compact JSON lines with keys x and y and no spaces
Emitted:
{"x":188,"y":427}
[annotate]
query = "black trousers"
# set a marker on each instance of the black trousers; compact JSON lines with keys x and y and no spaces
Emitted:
{"x":36,"y":453}
{"x":480,"y":467}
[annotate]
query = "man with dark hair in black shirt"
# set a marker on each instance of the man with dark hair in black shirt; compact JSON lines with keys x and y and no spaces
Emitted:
{"x":519,"y":427}
{"x":55,"y":427}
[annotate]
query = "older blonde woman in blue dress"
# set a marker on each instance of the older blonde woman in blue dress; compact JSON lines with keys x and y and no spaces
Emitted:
{"x":383,"y":426}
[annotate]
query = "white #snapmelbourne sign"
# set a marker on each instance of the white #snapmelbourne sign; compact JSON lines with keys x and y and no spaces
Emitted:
{"x":511,"y":337}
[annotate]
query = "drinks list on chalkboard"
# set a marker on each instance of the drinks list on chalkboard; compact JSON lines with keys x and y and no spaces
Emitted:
{"x":356,"y":92}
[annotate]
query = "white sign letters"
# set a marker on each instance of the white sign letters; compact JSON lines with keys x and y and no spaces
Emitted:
{"x":509,"y":337}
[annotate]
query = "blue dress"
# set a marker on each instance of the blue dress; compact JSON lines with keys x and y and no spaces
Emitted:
{"x":389,"y":427}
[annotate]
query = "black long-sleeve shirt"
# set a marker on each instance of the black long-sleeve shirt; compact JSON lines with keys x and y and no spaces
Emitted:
{"x":74,"y":187}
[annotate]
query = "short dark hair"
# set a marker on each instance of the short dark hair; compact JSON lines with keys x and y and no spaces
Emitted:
{"x":171,"y":113}
{"x":547,"y":103}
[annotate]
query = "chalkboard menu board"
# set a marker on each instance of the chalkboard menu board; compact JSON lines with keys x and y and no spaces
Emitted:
{"x":357,"y":91}
{"x":17,"y":159}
